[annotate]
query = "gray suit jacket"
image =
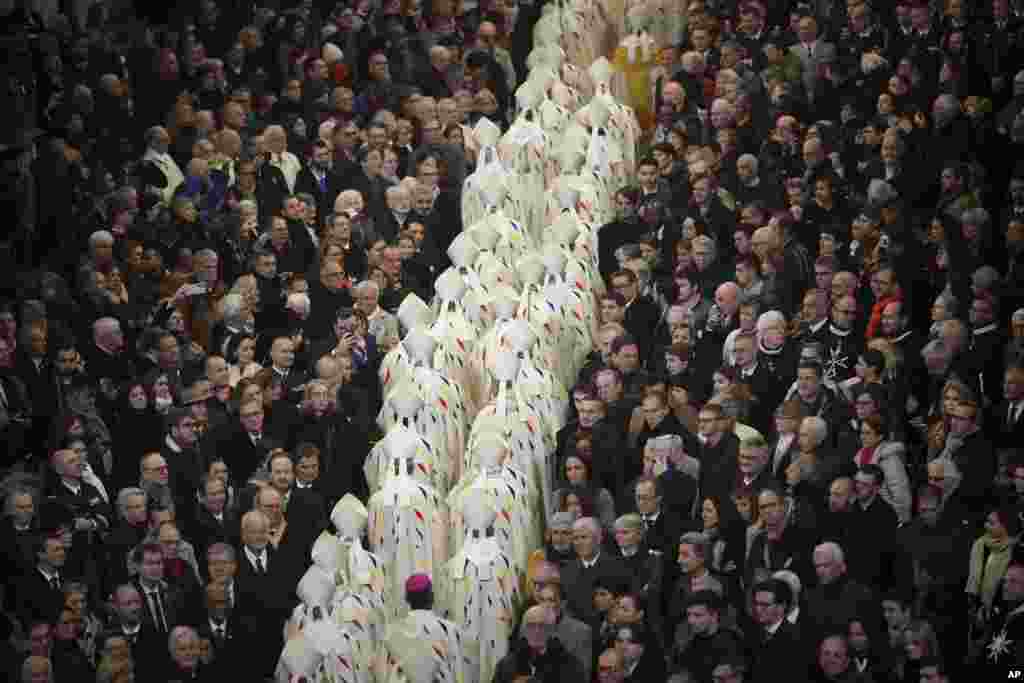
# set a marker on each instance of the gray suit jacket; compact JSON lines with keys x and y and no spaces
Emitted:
{"x":577,"y":638}
{"x":822,"y":53}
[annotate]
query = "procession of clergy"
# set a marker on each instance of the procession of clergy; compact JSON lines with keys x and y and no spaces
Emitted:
{"x":476,"y":393}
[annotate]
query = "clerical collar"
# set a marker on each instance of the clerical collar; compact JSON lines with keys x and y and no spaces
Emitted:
{"x":131,"y":631}
{"x":839,"y":332}
{"x":749,"y":371}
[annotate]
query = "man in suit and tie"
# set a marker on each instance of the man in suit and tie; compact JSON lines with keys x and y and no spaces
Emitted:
{"x":146,"y":645}
{"x":1007,"y":420}
{"x":290,"y":542}
{"x":163,"y":604}
{"x":775,"y":643}
{"x":578,"y":576}
{"x":304,"y":509}
{"x":282,"y":359}
{"x":815,"y":58}
{"x":241,"y":443}
{"x":179,"y":452}
{"x":40,"y":593}
{"x":660,"y":527}
{"x":130,"y":530}
{"x":214,"y":522}
{"x":216,"y":627}
{"x":222,"y":568}
{"x":317,"y":178}
{"x":261,"y":606}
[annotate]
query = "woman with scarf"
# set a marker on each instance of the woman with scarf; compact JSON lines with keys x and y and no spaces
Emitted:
{"x":890,"y":456}
{"x":134,"y":408}
{"x":990,"y":556}
{"x":576,"y":473}
{"x":722,"y":523}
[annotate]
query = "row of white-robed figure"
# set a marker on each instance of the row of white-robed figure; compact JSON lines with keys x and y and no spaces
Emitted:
{"x":477,"y":390}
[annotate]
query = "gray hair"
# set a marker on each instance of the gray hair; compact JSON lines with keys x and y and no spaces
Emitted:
{"x":248,"y":205}
{"x":819,"y":428}
{"x":700,"y":542}
{"x":770,"y":318}
{"x":232,"y":304}
{"x":206,"y":254}
{"x":751,"y":159}
{"x":100,"y":237}
{"x":977,"y":216}
{"x":21,"y":488}
{"x":124,"y":494}
{"x":364,"y":286}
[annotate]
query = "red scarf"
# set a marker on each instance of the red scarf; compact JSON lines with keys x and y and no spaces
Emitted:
{"x":866,"y":456}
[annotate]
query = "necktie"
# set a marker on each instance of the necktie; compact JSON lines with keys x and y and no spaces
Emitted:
{"x":647,"y":521}
{"x":257,"y":437}
{"x":323,"y":183}
{"x":260,"y":569}
{"x":219,"y":632}
{"x":55,"y":582}
{"x":161,"y":618}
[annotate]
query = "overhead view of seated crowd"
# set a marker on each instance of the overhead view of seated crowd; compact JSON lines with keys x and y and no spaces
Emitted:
{"x":275,"y":404}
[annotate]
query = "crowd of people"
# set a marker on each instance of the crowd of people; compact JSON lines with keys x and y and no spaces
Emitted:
{"x":790,"y":454}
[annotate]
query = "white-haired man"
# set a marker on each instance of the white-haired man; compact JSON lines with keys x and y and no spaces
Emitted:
{"x":837,"y":599}
{"x":578,"y":576}
{"x":382,"y":325}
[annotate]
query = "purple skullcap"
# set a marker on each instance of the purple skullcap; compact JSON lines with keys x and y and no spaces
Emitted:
{"x":418,"y":583}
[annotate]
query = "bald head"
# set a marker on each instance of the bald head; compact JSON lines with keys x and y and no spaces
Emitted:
{"x":727,"y":297}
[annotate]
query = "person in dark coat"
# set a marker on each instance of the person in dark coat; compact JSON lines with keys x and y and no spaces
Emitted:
{"x":261,"y":603}
{"x":537,"y":653}
{"x":591,"y":560}
{"x":837,"y":599}
{"x":775,"y":644}
{"x":643,"y":659}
